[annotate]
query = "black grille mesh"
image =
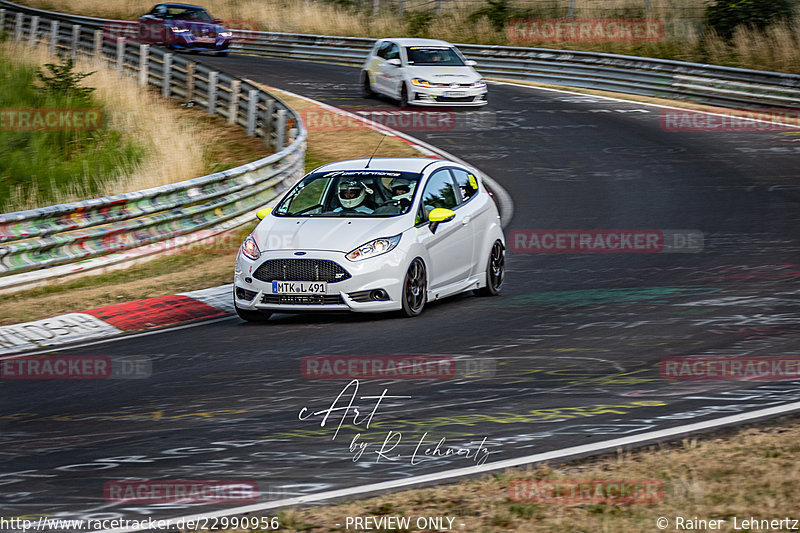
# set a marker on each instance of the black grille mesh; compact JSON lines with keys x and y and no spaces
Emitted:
{"x":301,"y":270}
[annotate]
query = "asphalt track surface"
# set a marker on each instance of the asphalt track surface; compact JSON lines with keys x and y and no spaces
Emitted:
{"x":570,"y":351}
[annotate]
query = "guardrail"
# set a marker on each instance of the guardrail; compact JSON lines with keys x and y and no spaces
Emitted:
{"x":66,"y":233}
{"x":708,"y":84}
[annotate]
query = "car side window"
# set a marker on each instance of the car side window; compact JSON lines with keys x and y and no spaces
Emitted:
{"x":439,"y":192}
{"x":393,"y":52}
{"x":384,"y":48}
{"x":467,"y":183}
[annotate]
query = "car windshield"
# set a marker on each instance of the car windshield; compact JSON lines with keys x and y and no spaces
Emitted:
{"x":433,"y":55}
{"x":187,"y":13}
{"x":350,"y":193}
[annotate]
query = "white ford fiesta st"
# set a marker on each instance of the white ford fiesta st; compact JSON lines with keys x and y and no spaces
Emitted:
{"x":372,"y":235}
{"x":424,"y":72}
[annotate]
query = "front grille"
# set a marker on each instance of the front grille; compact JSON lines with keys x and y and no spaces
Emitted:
{"x":301,"y":299}
{"x":455,"y":99}
{"x":301,"y":270}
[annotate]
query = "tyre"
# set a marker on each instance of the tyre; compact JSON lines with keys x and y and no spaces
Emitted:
{"x":252,"y":316}
{"x":495,"y":270}
{"x":404,"y":96}
{"x":415,"y":285}
{"x":366,"y":88}
{"x":223,"y":54}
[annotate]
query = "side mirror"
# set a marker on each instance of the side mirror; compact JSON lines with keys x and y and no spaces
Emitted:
{"x":439,"y":215}
{"x":261,"y":213}
{"x":395,"y":62}
{"x":471,"y":63}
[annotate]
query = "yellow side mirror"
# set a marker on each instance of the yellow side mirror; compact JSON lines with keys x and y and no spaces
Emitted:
{"x":261,"y":213}
{"x":441,"y":214}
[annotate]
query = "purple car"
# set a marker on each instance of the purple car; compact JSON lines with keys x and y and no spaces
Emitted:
{"x":185,"y":27}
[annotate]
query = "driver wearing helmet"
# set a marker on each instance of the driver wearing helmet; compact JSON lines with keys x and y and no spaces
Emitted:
{"x":402,"y":191}
{"x":351,"y":194}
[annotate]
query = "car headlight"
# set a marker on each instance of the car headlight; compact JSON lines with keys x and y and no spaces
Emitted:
{"x":419,"y":82}
{"x":373,"y":248}
{"x":480,"y":84}
{"x":176,"y":29}
{"x":250,"y":248}
{"x":226,"y":34}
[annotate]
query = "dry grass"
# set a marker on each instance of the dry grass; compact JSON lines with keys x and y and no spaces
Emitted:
{"x":751,"y":473}
{"x":173,"y":147}
{"x":777,"y":49}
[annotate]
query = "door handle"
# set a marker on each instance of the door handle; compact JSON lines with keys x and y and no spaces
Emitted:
{"x":465,"y":221}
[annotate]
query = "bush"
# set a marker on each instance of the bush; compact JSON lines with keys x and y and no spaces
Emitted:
{"x":723,"y":16}
{"x":63,"y":81}
{"x":418,"y":22}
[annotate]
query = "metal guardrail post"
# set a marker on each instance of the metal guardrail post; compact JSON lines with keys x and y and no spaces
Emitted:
{"x":120,"y":54}
{"x":98,"y":44}
{"x":213,"y":76}
{"x":252,"y":107}
{"x":53,"y":37}
{"x":76,"y":37}
{"x":266,"y":122}
{"x":18,"y":27}
{"x":233,"y":108}
{"x":190,"y":66}
{"x":2,"y":20}
{"x":166,"y":86}
{"x":34,"y":30}
{"x":144,"y":51}
{"x":280,"y":131}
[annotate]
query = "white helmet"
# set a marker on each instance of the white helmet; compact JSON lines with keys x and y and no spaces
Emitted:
{"x":351,"y":193}
{"x":402,"y":188}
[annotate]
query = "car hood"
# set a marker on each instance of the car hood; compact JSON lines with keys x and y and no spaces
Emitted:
{"x":325,"y":233}
{"x":463,"y":74}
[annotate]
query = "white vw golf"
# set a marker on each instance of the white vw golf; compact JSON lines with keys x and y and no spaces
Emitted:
{"x":424,"y":72}
{"x":372,"y":235}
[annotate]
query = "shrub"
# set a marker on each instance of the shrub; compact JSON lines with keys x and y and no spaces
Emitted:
{"x":723,"y":16}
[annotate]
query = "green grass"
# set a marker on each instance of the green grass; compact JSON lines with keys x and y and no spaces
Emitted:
{"x":47,"y":165}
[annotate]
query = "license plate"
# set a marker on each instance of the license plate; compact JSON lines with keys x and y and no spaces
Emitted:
{"x":205,"y":40}
{"x":299,"y":287}
{"x":455,"y":94}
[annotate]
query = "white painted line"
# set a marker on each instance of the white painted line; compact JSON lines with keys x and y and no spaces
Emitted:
{"x":632,"y":100}
{"x":62,"y":329}
{"x":489,"y":467}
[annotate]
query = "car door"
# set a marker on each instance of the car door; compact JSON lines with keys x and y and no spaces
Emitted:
{"x":476,"y":213}
{"x":392,"y":75}
{"x":450,"y":245}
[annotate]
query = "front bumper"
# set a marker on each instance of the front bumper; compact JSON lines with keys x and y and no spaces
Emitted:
{"x":190,"y":42}
{"x":378,"y":273}
{"x":443,"y":96}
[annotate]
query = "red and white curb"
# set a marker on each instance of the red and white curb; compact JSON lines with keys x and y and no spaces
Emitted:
{"x":113,"y":320}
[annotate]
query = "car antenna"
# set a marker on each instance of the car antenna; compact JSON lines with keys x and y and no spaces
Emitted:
{"x":375,"y":152}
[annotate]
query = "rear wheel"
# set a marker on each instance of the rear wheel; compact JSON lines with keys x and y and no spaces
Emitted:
{"x":415,"y":286}
{"x":495,"y":270}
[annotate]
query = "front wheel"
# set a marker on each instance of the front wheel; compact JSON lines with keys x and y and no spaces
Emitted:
{"x":404,"y":96}
{"x":366,"y":88}
{"x":495,"y":270}
{"x":415,"y":286}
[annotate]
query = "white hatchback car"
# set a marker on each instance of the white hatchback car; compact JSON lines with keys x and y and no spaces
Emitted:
{"x":372,"y":235}
{"x":425,"y":72}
